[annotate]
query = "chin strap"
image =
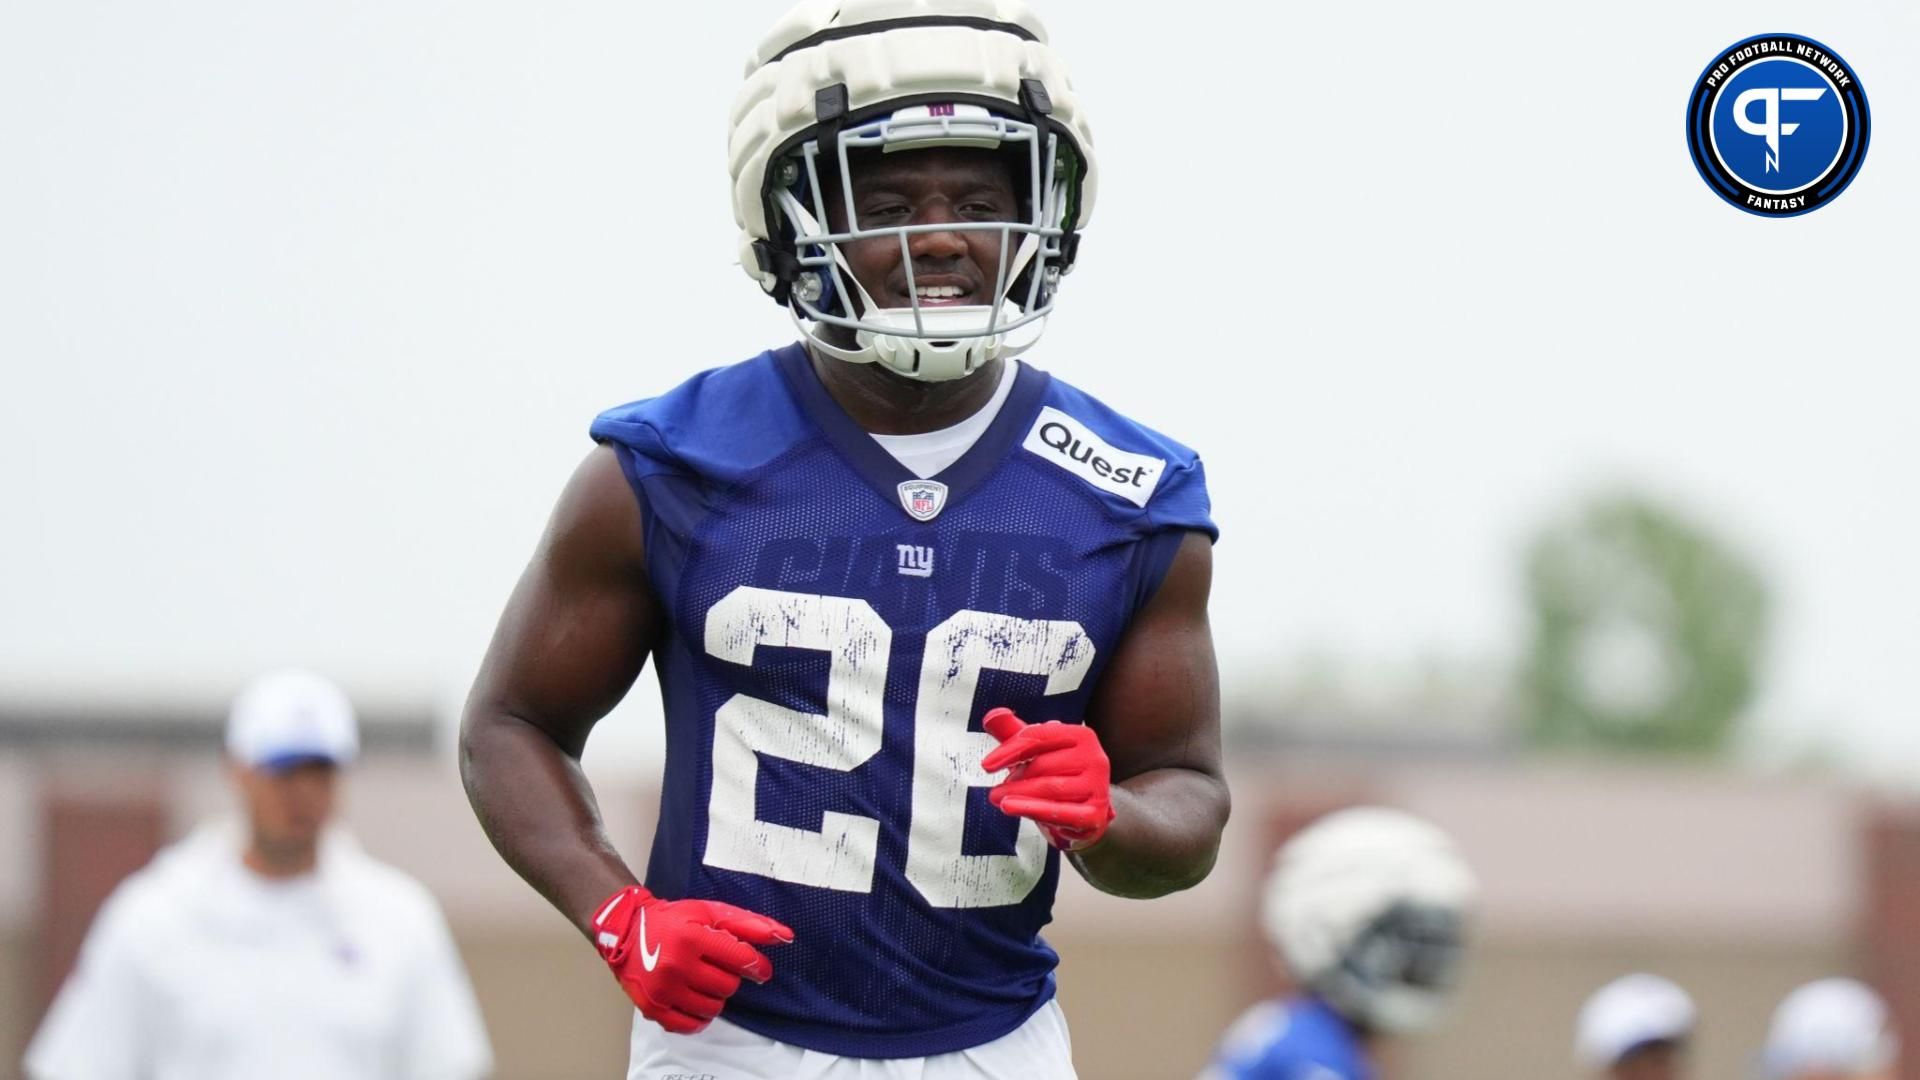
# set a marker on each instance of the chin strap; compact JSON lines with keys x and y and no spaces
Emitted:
{"x":930,"y":359}
{"x":926,"y":359}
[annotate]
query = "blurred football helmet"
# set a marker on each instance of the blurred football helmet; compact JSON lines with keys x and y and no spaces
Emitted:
{"x":1830,"y":1027}
{"x":1368,"y":908}
{"x":836,"y":77}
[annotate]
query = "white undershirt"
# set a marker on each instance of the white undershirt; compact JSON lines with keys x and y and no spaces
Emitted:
{"x":930,"y":453}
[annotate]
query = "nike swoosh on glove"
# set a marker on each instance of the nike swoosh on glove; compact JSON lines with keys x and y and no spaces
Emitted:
{"x":680,"y":960}
{"x":1057,"y":775}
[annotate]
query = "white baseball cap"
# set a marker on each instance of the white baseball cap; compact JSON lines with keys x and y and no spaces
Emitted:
{"x":287,"y":717}
{"x":1629,"y":1013}
{"x":1832,"y":1026}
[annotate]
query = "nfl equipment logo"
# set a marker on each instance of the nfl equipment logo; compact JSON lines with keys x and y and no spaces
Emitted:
{"x":923,"y":499}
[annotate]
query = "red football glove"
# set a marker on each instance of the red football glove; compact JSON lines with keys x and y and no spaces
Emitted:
{"x":1057,"y":775}
{"x":680,"y":960}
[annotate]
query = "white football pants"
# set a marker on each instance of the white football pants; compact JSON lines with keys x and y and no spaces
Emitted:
{"x":1036,"y":1050}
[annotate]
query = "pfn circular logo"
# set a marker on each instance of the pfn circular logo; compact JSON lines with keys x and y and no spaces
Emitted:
{"x":1778,"y":125}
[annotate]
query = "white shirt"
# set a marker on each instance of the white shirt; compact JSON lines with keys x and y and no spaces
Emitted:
{"x":199,"y":969}
{"x":929,"y":454}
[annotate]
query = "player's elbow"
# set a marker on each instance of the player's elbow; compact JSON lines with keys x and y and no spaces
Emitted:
{"x":487,"y":736}
{"x":476,"y":725}
{"x":1187,"y":874}
{"x":1144,"y":881}
{"x":1213,"y":804}
{"x":1176,"y":854}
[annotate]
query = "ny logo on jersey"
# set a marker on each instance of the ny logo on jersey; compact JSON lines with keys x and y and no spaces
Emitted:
{"x":916,"y":561}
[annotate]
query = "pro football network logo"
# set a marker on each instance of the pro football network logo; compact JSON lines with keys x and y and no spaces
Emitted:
{"x":1778,"y":125}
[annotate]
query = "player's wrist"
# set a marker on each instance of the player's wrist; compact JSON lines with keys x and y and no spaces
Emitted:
{"x":1080,"y":841}
{"x":610,"y":923}
{"x":679,"y":960}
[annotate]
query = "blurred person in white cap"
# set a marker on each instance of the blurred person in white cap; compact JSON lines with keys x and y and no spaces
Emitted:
{"x":1368,"y":908}
{"x":1832,"y":1029}
{"x":1636,"y":1027}
{"x":272,"y":946}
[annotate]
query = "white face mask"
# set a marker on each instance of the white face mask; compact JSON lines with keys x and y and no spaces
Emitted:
{"x":1399,"y":974}
{"x":926,"y":341}
{"x":1401,"y":1010}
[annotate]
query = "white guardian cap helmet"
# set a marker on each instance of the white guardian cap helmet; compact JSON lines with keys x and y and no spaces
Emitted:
{"x":834,"y":77}
{"x":1368,"y":908}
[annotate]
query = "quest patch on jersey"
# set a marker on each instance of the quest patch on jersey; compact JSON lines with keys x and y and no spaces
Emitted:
{"x":1068,"y":443}
{"x":1778,"y":125}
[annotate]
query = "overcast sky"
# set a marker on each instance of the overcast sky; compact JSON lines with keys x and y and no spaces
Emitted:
{"x":304,"y":310}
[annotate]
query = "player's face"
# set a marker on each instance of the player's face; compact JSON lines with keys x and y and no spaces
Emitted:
{"x":928,"y":187}
{"x":287,"y":808}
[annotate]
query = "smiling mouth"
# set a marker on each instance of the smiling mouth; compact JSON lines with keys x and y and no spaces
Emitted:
{"x":943,"y":295}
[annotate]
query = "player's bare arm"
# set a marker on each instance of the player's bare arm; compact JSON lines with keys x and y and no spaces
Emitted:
{"x":1157,"y":712}
{"x":574,"y":636}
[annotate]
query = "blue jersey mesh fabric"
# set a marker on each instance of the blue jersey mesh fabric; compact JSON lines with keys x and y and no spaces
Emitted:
{"x":1299,"y":1039}
{"x":804,"y":601}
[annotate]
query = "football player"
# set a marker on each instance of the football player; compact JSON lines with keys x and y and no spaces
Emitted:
{"x":925,"y":618}
{"x":1368,"y":910}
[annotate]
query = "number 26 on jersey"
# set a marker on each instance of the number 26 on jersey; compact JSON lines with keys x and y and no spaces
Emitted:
{"x":946,"y":755}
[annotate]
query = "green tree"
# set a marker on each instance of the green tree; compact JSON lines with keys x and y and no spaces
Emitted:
{"x":1648,"y":631}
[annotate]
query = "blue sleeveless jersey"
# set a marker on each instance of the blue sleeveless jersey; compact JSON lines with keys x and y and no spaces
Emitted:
{"x":1299,"y":1039}
{"x":836,"y":628}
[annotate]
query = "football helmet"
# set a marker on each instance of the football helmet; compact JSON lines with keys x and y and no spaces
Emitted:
{"x":838,"y":77}
{"x":1368,"y":908}
{"x":1830,"y":1027}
